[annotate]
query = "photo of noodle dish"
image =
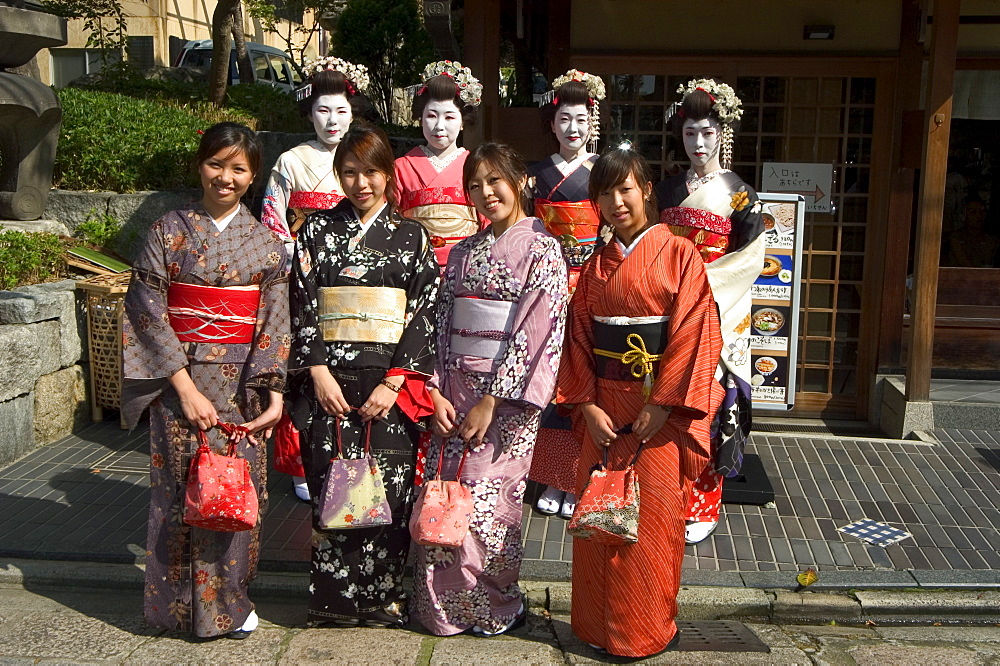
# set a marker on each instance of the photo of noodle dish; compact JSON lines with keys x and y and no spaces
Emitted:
{"x":765,"y":365}
{"x":772,"y":266}
{"x":768,"y":321}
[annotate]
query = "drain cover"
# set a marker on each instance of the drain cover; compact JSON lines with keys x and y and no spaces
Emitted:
{"x":718,"y":636}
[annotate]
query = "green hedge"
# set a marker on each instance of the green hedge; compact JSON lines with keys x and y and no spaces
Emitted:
{"x":29,"y":258}
{"x":122,"y":144}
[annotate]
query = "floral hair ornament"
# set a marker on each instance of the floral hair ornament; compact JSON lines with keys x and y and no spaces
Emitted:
{"x":725,"y":104}
{"x":470,"y":90}
{"x":356,"y":75}
{"x":595,"y":90}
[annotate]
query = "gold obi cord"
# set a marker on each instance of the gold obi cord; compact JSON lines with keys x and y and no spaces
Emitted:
{"x":640,"y":360}
{"x":362,"y":314}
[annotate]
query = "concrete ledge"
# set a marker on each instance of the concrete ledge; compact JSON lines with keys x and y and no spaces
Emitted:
{"x":807,"y":607}
{"x":723,"y":603}
{"x":929,"y":606}
{"x":832,"y":580}
{"x":967,"y":578}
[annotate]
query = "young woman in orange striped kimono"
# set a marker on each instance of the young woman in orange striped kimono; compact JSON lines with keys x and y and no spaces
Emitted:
{"x":646,"y":293}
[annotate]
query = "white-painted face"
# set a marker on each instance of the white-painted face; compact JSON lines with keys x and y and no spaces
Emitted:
{"x":702,"y":140}
{"x":331,"y":116}
{"x":572,"y":126}
{"x":441,"y":122}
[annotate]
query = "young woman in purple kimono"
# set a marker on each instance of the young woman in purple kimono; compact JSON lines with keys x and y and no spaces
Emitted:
{"x":194,"y":361}
{"x":500,"y":335}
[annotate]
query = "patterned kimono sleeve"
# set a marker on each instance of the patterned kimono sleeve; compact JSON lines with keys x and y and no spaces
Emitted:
{"x":151,"y":352}
{"x":308,"y":348}
{"x":267,"y":362}
{"x":694,"y":341}
{"x":577,"y":371}
{"x":527,"y":371}
{"x":415,"y":351}
{"x":445,"y":312}
{"x":275,"y":208}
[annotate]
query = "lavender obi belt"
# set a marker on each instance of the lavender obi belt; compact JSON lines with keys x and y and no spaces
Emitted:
{"x":481,"y":328}
{"x":362,"y":314}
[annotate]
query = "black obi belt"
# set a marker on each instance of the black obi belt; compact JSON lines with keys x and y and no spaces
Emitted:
{"x":629,"y":353}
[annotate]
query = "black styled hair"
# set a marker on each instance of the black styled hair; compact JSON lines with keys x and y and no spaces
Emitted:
{"x":612,"y":168}
{"x":330,"y":82}
{"x":570,"y":93}
{"x":370,"y":146}
{"x":505,"y":161}
{"x":442,"y":88}
{"x":234,"y":136}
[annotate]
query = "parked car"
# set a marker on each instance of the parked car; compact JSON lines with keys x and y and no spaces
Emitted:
{"x":271,"y":66}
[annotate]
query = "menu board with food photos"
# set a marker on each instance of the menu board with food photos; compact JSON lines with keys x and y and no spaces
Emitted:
{"x":774,"y":315}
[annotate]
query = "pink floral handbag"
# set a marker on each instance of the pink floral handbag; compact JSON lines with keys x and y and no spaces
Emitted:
{"x":220,"y":495}
{"x":353,"y":492}
{"x":443,"y":510}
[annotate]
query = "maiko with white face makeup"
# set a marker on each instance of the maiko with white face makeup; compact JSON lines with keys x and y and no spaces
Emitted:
{"x":560,"y":189}
{"x":331,"y":116}
{"x":711,"y":206}
{"x":303,"y":181}
{"x":430,"y":176}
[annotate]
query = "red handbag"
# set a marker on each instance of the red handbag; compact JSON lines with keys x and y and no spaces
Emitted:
{"x":443,"y":510}
{"x":607,"y":512}
{"x":220,"y":494}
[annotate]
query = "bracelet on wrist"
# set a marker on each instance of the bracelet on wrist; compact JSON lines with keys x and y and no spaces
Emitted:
{"x":389,"y":385}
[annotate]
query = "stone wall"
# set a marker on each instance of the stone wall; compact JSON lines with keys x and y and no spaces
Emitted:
{"x":43,"y":389}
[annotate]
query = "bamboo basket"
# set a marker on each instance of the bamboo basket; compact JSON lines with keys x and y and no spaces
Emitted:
{"x":105,"y":298}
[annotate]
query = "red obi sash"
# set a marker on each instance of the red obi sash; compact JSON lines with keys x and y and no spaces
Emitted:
{"x":314,"y":200}
{"x":432,"y":195}
{"x":213,"y":314}
{"x":569,"y":218}
{"x":709,"y":232}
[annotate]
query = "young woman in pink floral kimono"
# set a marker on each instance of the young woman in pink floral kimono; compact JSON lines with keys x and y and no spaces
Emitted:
{"x":500,"y":334}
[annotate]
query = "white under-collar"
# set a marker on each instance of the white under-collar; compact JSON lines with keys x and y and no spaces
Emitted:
{"x":224,"y":222}
{"x":635,"y":241}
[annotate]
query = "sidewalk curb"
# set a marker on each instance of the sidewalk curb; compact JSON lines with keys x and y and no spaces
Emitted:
{"x":914,"y":604}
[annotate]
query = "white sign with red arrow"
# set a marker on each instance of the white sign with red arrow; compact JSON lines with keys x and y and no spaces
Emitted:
{"x":812,"y":181}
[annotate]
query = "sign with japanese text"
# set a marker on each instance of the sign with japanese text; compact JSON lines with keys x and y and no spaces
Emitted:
{"x":812,"y":181}
{"x":774,"y":314}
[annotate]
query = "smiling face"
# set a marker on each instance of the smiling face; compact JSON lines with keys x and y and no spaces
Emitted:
{"x":493,"y":196}
{"x":331,"y":116}
{"x":441,"y":122}
{"x":624,"y":207}
{"x":363,"y":184}
{"x":571,"y":127}
{"x":702,"y":140}
{"x":225,"y":178}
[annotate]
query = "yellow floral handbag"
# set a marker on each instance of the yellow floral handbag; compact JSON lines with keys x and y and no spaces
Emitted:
{"x":353,"y":492}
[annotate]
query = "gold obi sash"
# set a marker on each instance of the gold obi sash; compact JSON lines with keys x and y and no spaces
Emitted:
{"x":362,"y":314}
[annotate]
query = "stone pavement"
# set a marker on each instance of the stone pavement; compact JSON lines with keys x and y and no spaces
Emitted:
{"x":78,"y":626}
{"x":84,"y":498}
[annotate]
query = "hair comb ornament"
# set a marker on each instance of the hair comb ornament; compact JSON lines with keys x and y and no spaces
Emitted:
{"x":470,"y":90}
{"x":356,"y":75}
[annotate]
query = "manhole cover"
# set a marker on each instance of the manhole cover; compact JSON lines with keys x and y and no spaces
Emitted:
{"x":718,"y":636}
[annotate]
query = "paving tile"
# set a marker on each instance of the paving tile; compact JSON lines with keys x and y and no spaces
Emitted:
{"x":859,"y":554}
{"x":841,"y":555}
{"x":954,"y":558}
{"x":800,"y":549}
{"x":879,"y":557}
{"x":821,"y":553}
{"x":724,"y":547}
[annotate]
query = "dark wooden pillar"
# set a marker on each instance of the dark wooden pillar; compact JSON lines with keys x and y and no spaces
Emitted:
{"x":482,"y":55}
{"x":940,"y":82}
{"x":895,"y":242}
{"x":559,"y":19}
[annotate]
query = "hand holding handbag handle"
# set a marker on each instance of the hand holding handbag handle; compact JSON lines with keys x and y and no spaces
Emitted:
{"x":340,"y":441}
{"x":235,"y":433}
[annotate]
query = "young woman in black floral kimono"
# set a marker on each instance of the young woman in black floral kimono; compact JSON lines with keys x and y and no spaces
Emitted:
{"x":194,"y":358}
{"x":350,"y":380}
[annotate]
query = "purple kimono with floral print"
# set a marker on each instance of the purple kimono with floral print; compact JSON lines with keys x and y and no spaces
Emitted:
{"x":476,"y":584}
{"x":197,"y":579}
